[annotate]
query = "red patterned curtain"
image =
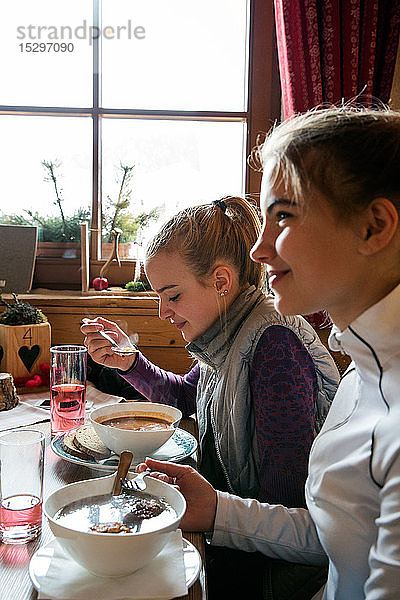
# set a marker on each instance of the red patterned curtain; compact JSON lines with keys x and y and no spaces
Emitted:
{"x":334,"y":50}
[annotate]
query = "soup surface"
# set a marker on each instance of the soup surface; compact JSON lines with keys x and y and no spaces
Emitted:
{"x":136,"y":422}
{"x":129,"y":512}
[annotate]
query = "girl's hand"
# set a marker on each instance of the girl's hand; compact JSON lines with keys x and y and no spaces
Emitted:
{"x":100,"y":349}
{"x":201,"y":497}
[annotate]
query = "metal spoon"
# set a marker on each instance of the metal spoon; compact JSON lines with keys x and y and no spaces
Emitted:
{"x":108,"y":338}
{"x":127,"y":351}
{"x":125,"y":460}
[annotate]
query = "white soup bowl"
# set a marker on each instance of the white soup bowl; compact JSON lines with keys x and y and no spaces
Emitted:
{"x":111,"y":554}
{"x":140,"y":443}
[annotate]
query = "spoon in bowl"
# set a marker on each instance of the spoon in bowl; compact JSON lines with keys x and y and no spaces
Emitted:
{"x":124,"y":463}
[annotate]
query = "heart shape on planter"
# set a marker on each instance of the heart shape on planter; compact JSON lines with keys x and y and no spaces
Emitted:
{"x":28,"y":356}
{"x":1,"y":353}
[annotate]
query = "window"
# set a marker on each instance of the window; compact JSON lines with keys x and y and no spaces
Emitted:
{"x":121,"y":113}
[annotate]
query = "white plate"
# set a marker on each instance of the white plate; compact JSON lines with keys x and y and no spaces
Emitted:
{"x":180,"y":446}
{"x":40,"y":563}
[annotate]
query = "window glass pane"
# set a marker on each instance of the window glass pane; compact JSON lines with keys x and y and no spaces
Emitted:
{"x":27,"y":191}
{"x":187,"y":55}
{"x":46,"y":53}
{"x":174,"y":164}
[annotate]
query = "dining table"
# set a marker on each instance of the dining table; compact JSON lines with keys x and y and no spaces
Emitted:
{"x":15,"y":581}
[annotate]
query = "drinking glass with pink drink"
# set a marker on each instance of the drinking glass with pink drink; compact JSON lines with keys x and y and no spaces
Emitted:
{"x":67,"y":387}
{"x":21,"y":485}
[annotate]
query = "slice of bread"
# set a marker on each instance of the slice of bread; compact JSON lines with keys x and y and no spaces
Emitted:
{"x":87,"y":440}
{"x":70,"y":448}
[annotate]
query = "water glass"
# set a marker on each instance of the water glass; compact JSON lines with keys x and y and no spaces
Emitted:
{"x":21,"y":485}
{"x":67,"y":387}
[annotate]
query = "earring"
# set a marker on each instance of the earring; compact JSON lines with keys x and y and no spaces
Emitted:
{"x":223,"y":293}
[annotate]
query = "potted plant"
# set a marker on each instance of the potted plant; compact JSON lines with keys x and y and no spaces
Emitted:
{"x":138,"y":286}
{"x":25,"y":338}
{"x":59,"y":235}
{"x":122,"y":229}
{"x":116,"y":216}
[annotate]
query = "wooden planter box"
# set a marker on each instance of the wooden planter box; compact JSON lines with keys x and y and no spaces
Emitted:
{"x":23,"y":348}
{"x":58,"y":249}
{"x":73,"y":249}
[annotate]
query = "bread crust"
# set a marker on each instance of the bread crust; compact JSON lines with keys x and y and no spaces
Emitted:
{"x":70,"y":448}
{"x":87,"y":440}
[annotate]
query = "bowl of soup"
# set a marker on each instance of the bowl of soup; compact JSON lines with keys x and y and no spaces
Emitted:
{"x":109,"y":535}
{"x":141,"y":427}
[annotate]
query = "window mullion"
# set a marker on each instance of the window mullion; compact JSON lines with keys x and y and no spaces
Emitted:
{"x":95,"y":239}
{"x":264,"y":86}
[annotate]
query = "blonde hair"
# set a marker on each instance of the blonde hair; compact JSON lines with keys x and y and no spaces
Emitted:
{"x":351,"y":155}
{"x":208,"y":234}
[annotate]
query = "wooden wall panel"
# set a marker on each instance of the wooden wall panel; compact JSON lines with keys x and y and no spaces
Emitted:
{"x":151,"y":330}
{"x":159,"y":340}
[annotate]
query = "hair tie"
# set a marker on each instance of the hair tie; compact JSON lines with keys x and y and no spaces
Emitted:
{"x":221,"y":204}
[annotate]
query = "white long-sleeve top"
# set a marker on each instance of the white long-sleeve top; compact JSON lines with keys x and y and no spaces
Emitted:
{"x":353,"y":487}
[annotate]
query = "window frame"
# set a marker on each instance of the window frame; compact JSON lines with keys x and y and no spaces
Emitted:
{"x":263,"y":108}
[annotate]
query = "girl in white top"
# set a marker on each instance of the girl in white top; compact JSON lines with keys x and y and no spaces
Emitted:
{"x":330,"y":200}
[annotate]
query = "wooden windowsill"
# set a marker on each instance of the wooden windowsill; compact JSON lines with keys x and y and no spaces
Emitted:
{"x":113,"y":298}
